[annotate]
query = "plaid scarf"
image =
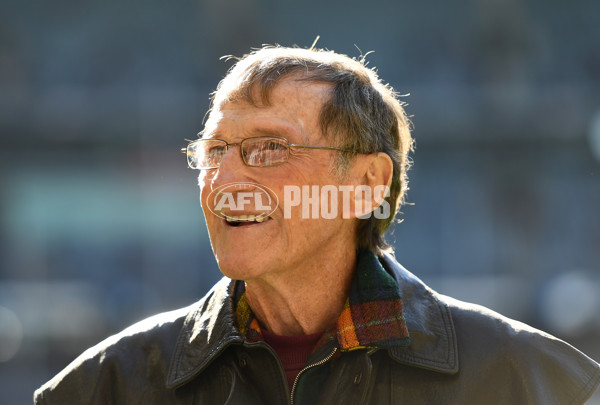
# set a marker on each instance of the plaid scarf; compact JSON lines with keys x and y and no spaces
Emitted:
{"x":372,"y":315}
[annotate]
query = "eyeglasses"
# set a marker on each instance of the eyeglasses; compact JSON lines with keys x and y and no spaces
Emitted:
{"x":260,"y":151}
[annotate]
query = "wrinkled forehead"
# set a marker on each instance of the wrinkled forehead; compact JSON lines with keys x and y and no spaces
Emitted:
{"x":291,"y":98}
{"x":257,"y":89}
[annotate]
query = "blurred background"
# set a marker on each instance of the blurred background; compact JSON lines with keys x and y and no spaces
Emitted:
{"x":100,"y":223}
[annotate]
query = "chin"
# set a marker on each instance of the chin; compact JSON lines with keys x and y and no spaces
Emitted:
{"x":239,"y":266}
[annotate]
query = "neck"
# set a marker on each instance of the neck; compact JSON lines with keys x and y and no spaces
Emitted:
{"x":305,"y":301}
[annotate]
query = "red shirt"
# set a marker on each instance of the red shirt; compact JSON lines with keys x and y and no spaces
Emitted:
{"x":293,"y":351}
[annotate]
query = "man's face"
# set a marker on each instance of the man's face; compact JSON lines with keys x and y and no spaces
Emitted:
{"x":278,"y":245}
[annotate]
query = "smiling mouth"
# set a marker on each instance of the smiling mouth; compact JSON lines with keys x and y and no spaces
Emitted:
{"x":244,"y":220}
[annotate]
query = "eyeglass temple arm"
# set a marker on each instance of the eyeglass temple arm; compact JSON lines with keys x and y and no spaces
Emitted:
{"x":319,"y":147}
{"x":185,"y":150}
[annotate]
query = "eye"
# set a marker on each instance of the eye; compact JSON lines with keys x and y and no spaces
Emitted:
{"x":216,"y":151}
{"x":272,"y":145}
{"x":212,"y":153}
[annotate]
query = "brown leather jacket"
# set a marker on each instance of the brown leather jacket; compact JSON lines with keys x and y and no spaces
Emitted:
{"x":459,"y":354}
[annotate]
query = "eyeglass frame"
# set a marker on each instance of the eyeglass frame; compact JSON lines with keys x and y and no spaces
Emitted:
{"x":229,"y":144}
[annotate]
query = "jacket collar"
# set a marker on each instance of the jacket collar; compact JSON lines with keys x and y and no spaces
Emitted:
{"x":372,"y":316}
{"x":209,"y":329}
{"x":429,"y":322}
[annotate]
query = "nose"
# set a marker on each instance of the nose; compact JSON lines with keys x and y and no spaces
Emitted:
{"x":232,"y":156}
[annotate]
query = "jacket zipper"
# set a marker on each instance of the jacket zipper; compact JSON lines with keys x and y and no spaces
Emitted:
{"x":318,"y":363}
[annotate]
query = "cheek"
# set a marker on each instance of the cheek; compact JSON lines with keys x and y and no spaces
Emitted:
{"x":204,"y":179}
{"x":204,"y":182}
{"x":204,"y":194}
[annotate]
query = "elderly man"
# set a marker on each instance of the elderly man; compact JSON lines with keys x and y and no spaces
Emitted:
{"x":302,"y":167}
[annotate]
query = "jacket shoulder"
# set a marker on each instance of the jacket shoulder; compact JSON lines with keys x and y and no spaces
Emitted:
{"x":484,"y":355}
{"x":542,"y":367}
{"x":139,"y":353}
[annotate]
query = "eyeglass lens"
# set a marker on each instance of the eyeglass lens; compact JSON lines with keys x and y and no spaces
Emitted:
{"x":264,"y":151}
{"x":260,"y":152}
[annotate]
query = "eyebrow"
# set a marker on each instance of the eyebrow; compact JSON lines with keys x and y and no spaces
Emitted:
{"x":209,"y":134}
{"x":204,"y":135}
{"x":278,"y":130}
{"x":286,"y":131}
{"x":272,"y":132}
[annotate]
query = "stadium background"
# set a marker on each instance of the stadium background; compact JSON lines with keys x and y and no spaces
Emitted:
{"x":100,"y":223}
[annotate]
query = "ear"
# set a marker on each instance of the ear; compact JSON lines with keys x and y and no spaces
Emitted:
{"x":374,"y":172}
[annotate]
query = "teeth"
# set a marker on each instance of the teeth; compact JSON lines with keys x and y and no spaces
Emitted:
{"x":245,"y":218}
